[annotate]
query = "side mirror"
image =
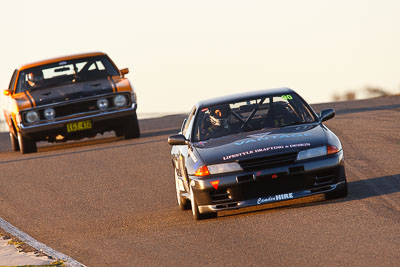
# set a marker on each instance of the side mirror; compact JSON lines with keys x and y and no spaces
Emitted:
{"x":326,"y":114}
{"x":124,"y":72}
{"x":7,"y":92}
{"x":177,"y":140}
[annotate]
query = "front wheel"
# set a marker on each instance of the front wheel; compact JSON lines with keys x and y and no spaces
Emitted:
{"x":14,"y":142}
{"x":119,"y":132}
{"x":183,"y":203}
{"x":26,"y":145}
{"x":132,"y":128}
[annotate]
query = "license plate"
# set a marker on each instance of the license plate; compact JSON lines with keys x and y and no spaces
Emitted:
{"x":79,"y":126}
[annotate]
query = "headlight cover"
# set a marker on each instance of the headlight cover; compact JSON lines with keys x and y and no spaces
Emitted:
{"x":224,"y":167}
{"x":49,"y":113}
{"x":120,"y":101}
{"x":32,"y":116}
{"x":312,"y":153}
{"x":317,"y":152}
{"x":102,"y":103}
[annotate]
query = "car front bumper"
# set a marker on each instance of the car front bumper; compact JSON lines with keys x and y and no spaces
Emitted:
{"x":101,"y":121}
{"x":244,"y":189}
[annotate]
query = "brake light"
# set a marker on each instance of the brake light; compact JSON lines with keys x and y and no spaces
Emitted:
{"x":202,"y":171}
{"x":332,"y":149}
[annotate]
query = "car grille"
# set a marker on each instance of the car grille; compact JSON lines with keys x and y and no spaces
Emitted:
{"x":268,"y":162}
{"x":72,"y":108}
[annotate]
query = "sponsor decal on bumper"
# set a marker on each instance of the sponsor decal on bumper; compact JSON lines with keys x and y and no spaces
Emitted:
{"x":267,"y":199}
{"x":274,"y":198}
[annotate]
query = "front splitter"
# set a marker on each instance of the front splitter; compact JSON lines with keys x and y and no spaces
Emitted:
{"x":268,"y":199}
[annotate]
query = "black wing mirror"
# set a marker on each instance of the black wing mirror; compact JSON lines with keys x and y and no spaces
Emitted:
{"x":326,"y":114}
{"x":177,"y":140}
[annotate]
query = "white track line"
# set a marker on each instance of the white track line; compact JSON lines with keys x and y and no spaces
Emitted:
{"x":11,"y":229}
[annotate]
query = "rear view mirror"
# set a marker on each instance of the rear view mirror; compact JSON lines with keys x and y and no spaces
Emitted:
{"x":124,"y":72}
{"x":62,"y":69}
{"x":326,"y":114}
{"x":177,"y":140}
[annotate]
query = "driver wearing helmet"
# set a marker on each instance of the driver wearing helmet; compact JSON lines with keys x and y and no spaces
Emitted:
{"x":35,"y":78}
{"x":217,"y":122}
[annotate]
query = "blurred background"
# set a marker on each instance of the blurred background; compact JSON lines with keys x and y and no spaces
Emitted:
{"x":182,"y":51}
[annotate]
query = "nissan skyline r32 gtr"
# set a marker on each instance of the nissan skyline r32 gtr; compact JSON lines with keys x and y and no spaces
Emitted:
{"x":69,"y":98}
{"x":252,"y":149}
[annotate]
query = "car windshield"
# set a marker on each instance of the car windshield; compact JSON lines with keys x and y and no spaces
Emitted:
{"x":251,"y":115}
{"x":64,"y":72}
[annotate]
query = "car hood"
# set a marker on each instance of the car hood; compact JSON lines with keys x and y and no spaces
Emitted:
{"x":261,"y":143}
{"x":71,"y":91}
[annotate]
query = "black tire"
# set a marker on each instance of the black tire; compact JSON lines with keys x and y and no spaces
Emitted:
{"x":119,"y":132}
{"x":26,"y":145}
{"x":195,"y":210}
{"x":338,"y":193}
{"x":132,"y":128}
{"x":14,"y":143}
{"x":183,"y":203}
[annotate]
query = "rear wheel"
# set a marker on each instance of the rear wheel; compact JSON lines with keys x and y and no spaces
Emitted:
{"x":119,"y":132}
{"x":132,"y":128}
{"x":26,"y":145}
{"x":183,"y":203}
{"x":195,"y":209}
{"x":14,"y":142}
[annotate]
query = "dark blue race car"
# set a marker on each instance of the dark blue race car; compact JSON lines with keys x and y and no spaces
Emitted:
{"x":252,"y":149}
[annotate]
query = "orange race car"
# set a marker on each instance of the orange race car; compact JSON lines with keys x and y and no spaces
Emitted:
{"x":69,"y":98}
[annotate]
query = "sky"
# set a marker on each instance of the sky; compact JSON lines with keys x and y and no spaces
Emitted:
{"x":183,"y":51}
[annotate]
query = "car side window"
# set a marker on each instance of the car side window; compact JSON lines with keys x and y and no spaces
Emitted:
{"x":189,"y":121}
{"x":183,"y":125}
{"x":12,"y":82}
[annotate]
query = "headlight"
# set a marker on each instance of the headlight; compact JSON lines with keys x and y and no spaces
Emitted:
{"x":102,"y":103}
{"x":218,"y":168}
{"x":317,"y":152}
{"x":32,"y":117}
{"x":224,"y":167}
{"x":49,"y":113}
{"x":312,"y":153}
{"x":120,"y":101}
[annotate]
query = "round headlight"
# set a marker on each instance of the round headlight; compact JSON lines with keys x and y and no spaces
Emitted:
{"x":102,"y":103}
{"x":32,"y":117}
{"x":49,"y":113}
{"x":119,"y":101}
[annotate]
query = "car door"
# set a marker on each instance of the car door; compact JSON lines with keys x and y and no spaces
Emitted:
{"x":183,"y":150}
{"x":9,"y":105}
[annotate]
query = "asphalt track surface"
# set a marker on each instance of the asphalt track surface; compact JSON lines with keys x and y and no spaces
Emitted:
{"x":111,"y":202}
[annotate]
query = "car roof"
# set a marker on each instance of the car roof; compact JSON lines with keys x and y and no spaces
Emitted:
{"x":56,"y":59}
{"x":243,"y":96}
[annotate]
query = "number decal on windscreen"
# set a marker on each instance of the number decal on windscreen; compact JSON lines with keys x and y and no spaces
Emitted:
{"x":287,"y":97}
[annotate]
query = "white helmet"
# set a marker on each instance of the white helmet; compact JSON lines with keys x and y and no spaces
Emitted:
{"x":219,"y":115}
